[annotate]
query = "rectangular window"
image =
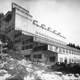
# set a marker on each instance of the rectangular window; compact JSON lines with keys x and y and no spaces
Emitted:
{"x":17,"y":34}
{"x":53,"y":48}
{"x":37,"y":56}
{"x":72,"y":52}
{"x":17,"y":40}
{"x":56,"y":49}
{"x":63,"y":50}
{"x":70,"y":60}
{"x":27,"y":56}
{"x":38,"y":48}
{"x":27,"y":47}
{"x":66,"y":51}
{"x":61,"y":59}
{"x":52,"y":59}
{"x":50,"y":47}
{"x":69,"y":51}
{"x":59,"y":49}
{"x":27,"y":41}
{"x":8,"y":29}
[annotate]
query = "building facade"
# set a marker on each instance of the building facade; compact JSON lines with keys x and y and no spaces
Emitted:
{"x":30,"y":37}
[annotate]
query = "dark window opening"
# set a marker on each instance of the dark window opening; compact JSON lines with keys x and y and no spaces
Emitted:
{"x":52,"y":59}
{"x":66,"y":51}
{"x":27,"y":57}
{"x":10,"y":28}
{"x":69,"y":60}
{"x":27,"y":47}
{"x":65,"y":61}
{"x":27,"y":41}
{"x":5,"y":51}
{"x":17,"y":34}
{"x":38,"y":48}
{"x":37,"y":56}
{"x":17,"y":40}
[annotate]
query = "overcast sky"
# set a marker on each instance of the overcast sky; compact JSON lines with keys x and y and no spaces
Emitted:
{"x":62,"y":15}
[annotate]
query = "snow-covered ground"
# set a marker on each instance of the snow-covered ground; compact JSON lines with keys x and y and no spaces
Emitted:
{"x":30,"y":71}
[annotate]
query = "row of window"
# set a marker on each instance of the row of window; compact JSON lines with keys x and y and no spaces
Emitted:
{"x":66,"y":60}
{"x":39,"y":56}
{"x":60,"y":50}
{"x":69,"y":60}
{"x":27,"y":41}
{"x":38,"y":48}
{"x":27,"y":47}
{"x":9,"y":29}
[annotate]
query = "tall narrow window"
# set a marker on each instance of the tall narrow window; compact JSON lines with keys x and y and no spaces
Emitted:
{"x":60,"y":50}
{"x":61,"y":59}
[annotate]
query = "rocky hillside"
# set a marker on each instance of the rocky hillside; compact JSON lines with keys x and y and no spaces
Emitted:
{"x":13,"y":69}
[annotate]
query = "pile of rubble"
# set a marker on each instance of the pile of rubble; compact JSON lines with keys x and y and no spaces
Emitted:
{"x":12,"y":69}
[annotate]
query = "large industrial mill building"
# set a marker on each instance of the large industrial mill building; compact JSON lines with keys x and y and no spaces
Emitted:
{"x":33,"y":40}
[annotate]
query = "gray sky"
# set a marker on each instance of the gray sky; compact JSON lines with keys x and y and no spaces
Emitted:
{"x":62,"y":15}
